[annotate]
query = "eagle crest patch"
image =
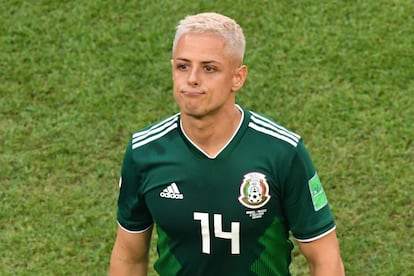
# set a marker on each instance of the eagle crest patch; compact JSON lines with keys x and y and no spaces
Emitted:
{"x":254,"y":190}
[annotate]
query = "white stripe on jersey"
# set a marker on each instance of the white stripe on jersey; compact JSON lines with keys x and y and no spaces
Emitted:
{"x":317,"y":237}
{"x":135,"y":232}
{"x":266,"y":126}
{"x":282,"y":129}
{"x":156,"y":131}
{"x":161,"y":125}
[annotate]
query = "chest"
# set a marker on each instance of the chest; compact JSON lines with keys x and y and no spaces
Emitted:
{"x":203,"y":197}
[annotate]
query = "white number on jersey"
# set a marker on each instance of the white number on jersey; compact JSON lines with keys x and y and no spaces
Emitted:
{"x":234,"y":235}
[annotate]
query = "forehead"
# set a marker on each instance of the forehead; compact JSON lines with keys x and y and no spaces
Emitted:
{"x":201,"y":47}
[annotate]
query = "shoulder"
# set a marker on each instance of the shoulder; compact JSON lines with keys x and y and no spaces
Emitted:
{"x":154,"y":131}
{"x":268,"y":127}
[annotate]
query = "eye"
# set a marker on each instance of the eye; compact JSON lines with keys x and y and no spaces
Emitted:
{"x":182,"y":66}
{"x":209,"y":68}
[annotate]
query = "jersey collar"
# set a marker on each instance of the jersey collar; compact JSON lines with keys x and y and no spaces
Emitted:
{"x":228,"y":142}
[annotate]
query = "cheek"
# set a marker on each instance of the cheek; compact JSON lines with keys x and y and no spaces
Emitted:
{"x":227,"y":83}
{"x":175,"y":92}
{"x":179,"y":82}
{"x":176,"y":83}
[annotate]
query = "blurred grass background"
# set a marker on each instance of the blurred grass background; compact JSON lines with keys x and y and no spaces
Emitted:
{"x":78,"y":77}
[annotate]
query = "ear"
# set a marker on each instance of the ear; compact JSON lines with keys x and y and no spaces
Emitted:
{"x":239,"y":77}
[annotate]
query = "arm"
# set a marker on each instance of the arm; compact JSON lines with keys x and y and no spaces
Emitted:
{"x":130,"y":253}
{"x":323,"y":256}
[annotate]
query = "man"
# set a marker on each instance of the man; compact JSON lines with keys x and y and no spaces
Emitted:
{"x":223,"y":185}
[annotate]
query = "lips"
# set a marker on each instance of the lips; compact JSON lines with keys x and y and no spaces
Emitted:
{"x":191,"y":93}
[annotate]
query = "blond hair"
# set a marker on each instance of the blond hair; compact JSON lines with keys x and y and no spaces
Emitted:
{"x":214,"y":23}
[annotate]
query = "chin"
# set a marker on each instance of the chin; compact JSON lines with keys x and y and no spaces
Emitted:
{"x":193,"y":113}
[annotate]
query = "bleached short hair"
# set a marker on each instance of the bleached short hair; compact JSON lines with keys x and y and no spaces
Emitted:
{"x":214,"y":23}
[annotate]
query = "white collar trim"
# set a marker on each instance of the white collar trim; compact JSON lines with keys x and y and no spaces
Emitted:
{"x":225,"y":145}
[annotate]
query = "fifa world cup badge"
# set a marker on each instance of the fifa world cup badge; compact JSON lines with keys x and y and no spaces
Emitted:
{"x":318,"y":195}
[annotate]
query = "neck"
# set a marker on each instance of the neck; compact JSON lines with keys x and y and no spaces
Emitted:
{"x":212,"y":133}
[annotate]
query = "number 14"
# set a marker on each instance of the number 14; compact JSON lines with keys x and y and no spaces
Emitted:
{"x":234,"y":235}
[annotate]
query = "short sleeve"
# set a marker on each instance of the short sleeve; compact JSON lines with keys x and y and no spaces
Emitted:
{"x":133,"y":214}
{"x":305,"y":202}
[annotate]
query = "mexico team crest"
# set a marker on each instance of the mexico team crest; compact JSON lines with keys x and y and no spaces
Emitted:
{"x":254,"y":190}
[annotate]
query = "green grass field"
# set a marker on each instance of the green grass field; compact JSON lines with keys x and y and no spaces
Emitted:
{"x":78,"y":77}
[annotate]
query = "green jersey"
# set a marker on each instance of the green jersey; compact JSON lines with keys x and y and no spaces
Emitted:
{"x":228,"y":214}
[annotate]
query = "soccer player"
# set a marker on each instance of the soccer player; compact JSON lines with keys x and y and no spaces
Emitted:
{"x":223,"y":185}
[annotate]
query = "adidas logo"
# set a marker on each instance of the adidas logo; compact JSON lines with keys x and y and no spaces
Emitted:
{"x":172,"y":192}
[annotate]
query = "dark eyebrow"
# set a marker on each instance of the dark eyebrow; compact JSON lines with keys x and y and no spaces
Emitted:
{"x":203,"y":62}
{"x":182,"y":59}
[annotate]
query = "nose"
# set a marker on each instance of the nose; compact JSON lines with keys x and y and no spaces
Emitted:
{"x":193,"y":77}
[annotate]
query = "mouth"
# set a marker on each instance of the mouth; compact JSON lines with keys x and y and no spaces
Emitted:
{"x":191,"y":93}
